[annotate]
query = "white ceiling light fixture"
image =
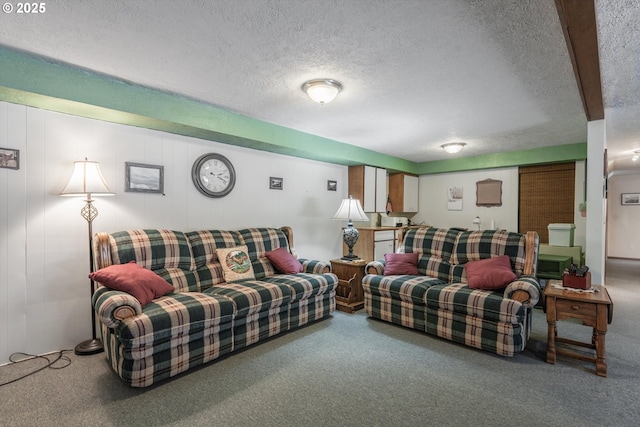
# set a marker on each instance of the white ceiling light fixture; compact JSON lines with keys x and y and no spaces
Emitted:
{"x":635,"y":155}
{"x":453,"y":147}
{"x":322,"y":91}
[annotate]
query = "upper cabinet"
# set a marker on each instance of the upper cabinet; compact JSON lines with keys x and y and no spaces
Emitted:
{"x":369,"y":185}
{"x":403,"y":192}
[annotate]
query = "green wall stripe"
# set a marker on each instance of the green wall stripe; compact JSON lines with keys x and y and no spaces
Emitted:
{"x":35,"y":81}
{"x":554,"y":154}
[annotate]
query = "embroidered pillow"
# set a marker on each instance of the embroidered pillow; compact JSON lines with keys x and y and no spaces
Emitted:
{"x":401,"y":264}
{"x":144,"y":285}
{"x":236,"y":264}
{"x":490,"y":273}
{"x":283,"y":261}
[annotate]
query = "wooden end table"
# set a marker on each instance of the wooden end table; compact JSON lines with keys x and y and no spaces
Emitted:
{"x":594,"y":309}
{"x":349,"y":293}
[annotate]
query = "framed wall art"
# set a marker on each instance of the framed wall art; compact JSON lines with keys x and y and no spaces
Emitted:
{"x":332,"y":185}
{"x":142,"y":178}
{"x":9,"y":158}
{"x":275,"y":183}
{"x":454,"y":200}
{"x":630,"y":198}
{"x":489,"y":193}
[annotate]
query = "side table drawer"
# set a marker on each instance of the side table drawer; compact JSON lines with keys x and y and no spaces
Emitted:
{"x":581,"y":309}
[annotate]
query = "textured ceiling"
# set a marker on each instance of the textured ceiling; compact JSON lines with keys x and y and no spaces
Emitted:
{"x":416,"y":74}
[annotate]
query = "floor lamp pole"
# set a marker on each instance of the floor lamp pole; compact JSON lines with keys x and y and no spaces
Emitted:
{"x":94,"y":345}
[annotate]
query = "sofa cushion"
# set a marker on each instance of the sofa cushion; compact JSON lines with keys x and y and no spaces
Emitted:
{"x":304,"y":285}
{"x":153,"y":249}
{"x":143,"y":284}
{"x":259,"y":241}
{"x":404,"y":288}
{"x":490,"y":273}
{"x":434,"y":247}
{"x":477,"y":245}
{"x":236,"y":264}
{"x":253,"y":296}
{"x":398,"y":264}
{"x":283,"y":261}
{"x":459,"y":298}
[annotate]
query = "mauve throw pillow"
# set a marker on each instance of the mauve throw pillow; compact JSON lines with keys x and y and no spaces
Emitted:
{"x":401,"y":264}
{"x":143,"y":284}
{"x":283,"y":261}
{"x":490,"y":273}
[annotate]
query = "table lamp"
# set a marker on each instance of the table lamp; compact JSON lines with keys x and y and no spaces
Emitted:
{"x":351,"y":210}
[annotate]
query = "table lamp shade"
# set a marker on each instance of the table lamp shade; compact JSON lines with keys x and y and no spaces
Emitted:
{"x":351,"y":209}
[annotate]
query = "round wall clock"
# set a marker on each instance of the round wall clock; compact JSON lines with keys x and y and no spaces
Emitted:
{"x":213,"y":175}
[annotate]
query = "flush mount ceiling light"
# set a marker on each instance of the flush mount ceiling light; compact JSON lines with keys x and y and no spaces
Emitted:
{"x":453,"y":147}
{"x":635,"y":155}
{"x":322,"y":91}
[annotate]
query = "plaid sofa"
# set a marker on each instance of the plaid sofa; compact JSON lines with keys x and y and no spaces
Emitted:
{"x":205,"y":317}
{"x":438,"y":300}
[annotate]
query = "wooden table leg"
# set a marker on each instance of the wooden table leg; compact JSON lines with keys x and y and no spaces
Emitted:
{"x":551,"y":330}
{"x":600,"y":331}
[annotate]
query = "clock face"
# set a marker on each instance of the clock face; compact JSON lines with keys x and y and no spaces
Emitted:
{"x":213,"y":175}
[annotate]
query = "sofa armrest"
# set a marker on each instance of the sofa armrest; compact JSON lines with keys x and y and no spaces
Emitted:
{"x":525,"y":289}
{"x":375,"y":267}
{"x":314,"y":266}
{"x":114,"y":306}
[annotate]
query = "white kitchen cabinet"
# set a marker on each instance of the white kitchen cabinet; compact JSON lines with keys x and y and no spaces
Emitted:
{"x":369,"y":185}
{"x":403,"y":192}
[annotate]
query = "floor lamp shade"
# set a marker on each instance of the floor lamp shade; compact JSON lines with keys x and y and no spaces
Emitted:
{"x":87,"y":180}
{"x":350,"y":209}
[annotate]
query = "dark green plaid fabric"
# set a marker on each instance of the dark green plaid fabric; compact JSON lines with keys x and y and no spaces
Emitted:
{"x":173,"y":318}
{"x":315,"y":266}
{"x":166,"y":363}
{"x":434,"y":246}
{"x":501,"y":338}
{"x":404,"y":288}
{"x":259,"y":241}
{"x":392,"y":310}
{"x":440,"y":302}
{"x":152,"y":249}
{"x":477,"y":245}
{"x":310,"y":309}
{"x":206,"y":317}
{"x":459,"y":298}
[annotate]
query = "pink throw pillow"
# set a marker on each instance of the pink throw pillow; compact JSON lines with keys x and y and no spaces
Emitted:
{"x":284,"y":262}
{"x":490,"y":273}
{"x":401,"y":264}
{"x":143,"y":284}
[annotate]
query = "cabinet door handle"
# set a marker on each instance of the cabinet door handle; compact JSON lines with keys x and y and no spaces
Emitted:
{"x":575,"y":307}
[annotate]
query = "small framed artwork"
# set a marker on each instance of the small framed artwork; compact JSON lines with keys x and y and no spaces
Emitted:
{"x":275,"y":183}
{"x":9,"y":158}
{"x":630,"y":198}
{"x":332,"y":185}
{"x":141,"y":178}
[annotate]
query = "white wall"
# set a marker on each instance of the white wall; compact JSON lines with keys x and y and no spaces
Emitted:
{"x":433,"y":200}
{"x":44,"y":259}
{"x":623,"y":233}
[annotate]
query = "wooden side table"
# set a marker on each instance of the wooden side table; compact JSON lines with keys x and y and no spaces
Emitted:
{"x":349,"y":293}
{"x":594,"y":309}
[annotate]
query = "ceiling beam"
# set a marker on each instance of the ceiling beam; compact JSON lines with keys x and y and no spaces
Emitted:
{"x":578,"y":21}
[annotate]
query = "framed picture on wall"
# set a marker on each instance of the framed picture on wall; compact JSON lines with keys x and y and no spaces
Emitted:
{"x":630,"y":198}
{"x":332,"y":185}
{"x":9,"y":158}
{"x":142,"y":178}
{"x":275,"y":183}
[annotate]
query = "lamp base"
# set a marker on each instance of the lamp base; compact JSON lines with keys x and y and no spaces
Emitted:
{"x":89,"y":347}
{"x":350,"y":257}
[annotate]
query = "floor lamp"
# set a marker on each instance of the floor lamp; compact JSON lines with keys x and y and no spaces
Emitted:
{"x":86,"y":180}
{"x":350,"y":209}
